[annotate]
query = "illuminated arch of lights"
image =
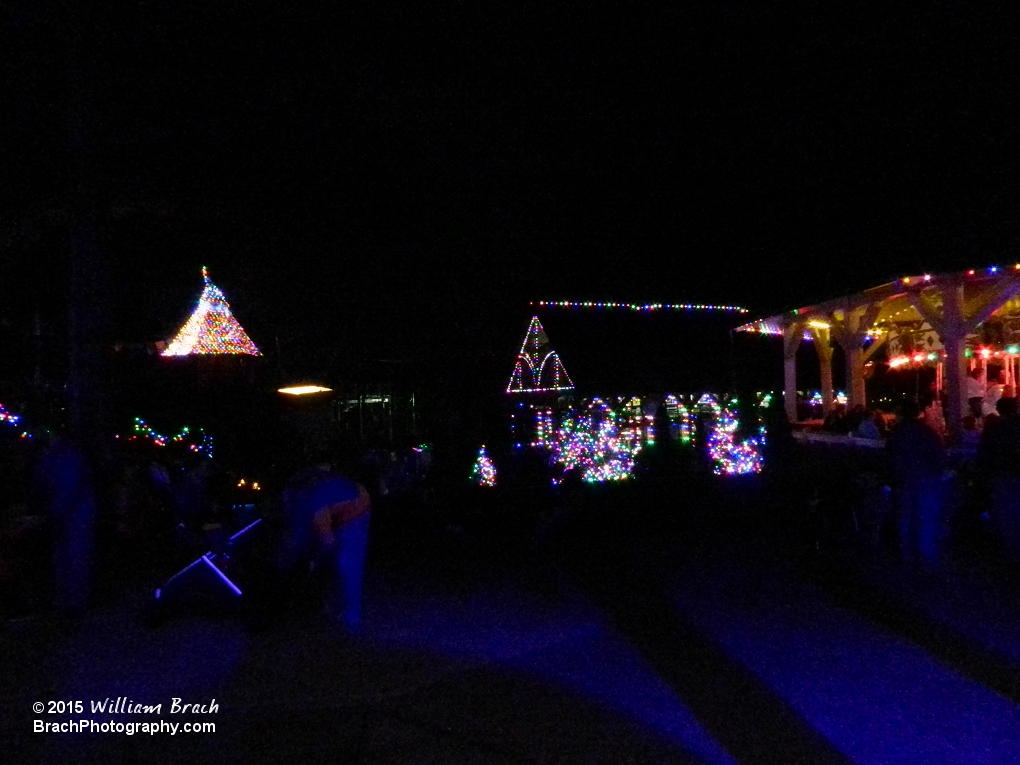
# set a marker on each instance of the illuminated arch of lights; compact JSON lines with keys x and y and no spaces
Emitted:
{"x":533,"y":360}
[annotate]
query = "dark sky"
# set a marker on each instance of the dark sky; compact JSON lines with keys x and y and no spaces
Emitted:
{"x":405,"y":177}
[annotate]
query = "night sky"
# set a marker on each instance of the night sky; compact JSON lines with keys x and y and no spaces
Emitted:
{"x":399,"y":181}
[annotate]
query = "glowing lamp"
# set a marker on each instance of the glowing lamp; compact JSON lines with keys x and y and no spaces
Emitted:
{"x":303,"y":390}
{"x":1013,"y":349}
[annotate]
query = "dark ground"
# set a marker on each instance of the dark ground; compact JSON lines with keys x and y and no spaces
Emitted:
{"x":693,"y":619}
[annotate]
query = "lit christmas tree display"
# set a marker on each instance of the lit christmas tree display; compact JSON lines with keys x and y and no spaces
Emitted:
{"x":484,"y":471}
{"x":211,"y":328}
{"x":538,"y":368}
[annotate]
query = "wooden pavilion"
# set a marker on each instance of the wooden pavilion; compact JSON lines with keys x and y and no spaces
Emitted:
{"x":957,"y":320}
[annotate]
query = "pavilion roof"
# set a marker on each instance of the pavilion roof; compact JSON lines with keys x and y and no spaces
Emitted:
{"x":895,"y":303}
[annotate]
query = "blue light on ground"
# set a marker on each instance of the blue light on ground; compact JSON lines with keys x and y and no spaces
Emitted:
{"x":874,"y":696}
{"x":575,"y":651}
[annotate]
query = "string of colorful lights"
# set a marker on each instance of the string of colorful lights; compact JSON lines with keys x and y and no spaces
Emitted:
{"x":642,"y":307}
{"x":729,"y":457}
{"x":12,"y":420}
{"x":211,"y":328}
{"x":593,"y":444}
{"x":199,"y":442}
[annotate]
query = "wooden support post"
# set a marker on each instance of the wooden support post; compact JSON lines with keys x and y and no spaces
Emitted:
{"x":824,"y":350}
{"x":849,"y":328}
{"x":855,"y":374}
{"x":792,"y":336}
{"x":953,"y":339}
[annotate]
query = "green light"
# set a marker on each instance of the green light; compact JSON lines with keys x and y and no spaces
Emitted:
{"x":1013,"y":349}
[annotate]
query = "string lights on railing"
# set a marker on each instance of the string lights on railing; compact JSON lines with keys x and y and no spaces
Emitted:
{"x":196,"y":441}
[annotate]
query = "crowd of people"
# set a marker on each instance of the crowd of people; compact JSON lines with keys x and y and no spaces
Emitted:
{"x":144,"y":512}
{"x":859,"y":421}
{"x":916,"y":442}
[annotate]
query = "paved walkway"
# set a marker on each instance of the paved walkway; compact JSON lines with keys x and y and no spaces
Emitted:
{"x":615,"y":650}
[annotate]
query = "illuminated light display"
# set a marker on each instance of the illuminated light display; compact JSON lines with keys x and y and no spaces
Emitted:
{"x":484,"y":471}
{"x":601,"y":443}
{"x":681,"y":418}
{"x":538,"y":368}
{"x":211,"y":328}
{"x":544,"y":428}
{"x":672,"y":406}
{"x":708,"y":401}
{"x":761,"y":327}
{"x":303,"y":390}
{"x":12,"y":420}
{"x":594,"y":445}
{"x":8,"y":417}
{"x":731,"y":458}
{"x":642,"y":307}
{"x":199,"y":442}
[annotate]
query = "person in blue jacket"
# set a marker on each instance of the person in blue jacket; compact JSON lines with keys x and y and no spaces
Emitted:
{"x":327,"y":519}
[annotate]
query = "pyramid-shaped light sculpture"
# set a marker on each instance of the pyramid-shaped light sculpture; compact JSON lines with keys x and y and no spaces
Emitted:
{"x":538,"y":368}
{"x":211,"y":328}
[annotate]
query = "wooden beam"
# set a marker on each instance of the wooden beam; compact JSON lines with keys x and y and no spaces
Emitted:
{"x":924,"y":307}
{"x":877,"y":343}
{"x":999,"y":298}
{"x":869,"y":317}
